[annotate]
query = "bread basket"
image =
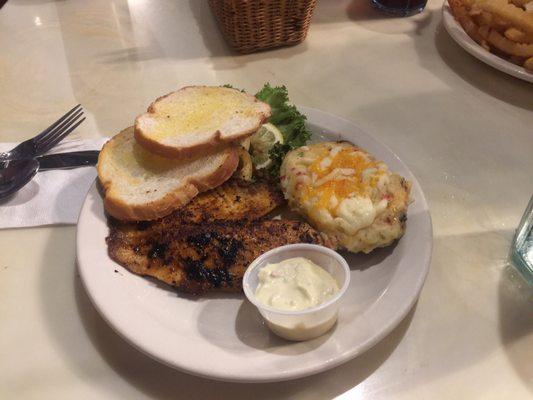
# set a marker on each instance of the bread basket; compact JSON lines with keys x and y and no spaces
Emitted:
{"x":253,"y":25}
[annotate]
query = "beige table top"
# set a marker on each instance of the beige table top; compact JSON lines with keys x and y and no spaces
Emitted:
{"x":463,"y":128}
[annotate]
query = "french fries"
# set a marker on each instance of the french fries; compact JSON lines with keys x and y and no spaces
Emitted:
{"x":504,"y":27}
{"x":520,"y":3}
{"x":518,"y":36}
{"x":462,"y":15}
{"x":509,"y":47}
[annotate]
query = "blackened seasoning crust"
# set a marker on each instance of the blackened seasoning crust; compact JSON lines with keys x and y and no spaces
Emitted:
{"x":201,"y":240}
{"x":227,"y":250}
{"x":196,"y":265}
{"x":197,"y":257}
{"x":197,"y":271}
{"x":157,"y":251}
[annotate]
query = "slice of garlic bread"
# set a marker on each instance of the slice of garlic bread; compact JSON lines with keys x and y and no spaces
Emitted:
{"x":196,"y":119}
{"x":140,"y":185}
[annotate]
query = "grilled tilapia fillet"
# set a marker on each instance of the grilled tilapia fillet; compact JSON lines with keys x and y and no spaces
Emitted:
{"x":197,"y":258}
{"x":207,"y":244}
{"x":232,"y":201}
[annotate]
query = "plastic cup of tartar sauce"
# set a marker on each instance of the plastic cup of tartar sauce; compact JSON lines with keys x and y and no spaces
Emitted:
{"x":311,"y":322}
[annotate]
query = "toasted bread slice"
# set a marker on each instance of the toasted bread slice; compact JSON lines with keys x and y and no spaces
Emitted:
{"x":196,"y":119}
{"x":139,"y":185}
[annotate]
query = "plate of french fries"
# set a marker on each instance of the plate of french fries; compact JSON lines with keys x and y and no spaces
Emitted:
{"x":498,"y":32}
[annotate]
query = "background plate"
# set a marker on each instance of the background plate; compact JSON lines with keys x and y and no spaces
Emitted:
{"x":466,"y":42}
{"x":222,"y":336}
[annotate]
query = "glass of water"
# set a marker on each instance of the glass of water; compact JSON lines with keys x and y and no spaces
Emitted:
{"x":522,"y":248}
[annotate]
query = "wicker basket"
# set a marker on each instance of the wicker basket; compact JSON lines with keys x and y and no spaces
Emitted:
{"x":252,"y":25}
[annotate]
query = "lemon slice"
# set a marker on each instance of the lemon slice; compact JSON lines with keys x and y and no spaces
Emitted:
{"x":261,"y":143}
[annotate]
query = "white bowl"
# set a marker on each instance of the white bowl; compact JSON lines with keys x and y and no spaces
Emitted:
{"x":311,"y":322}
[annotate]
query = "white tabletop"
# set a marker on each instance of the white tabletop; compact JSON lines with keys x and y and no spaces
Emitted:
{"x":463,"y":128}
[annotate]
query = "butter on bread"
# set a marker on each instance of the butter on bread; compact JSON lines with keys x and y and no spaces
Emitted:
{"x":140,"y":185}
{"x":196,"y":119}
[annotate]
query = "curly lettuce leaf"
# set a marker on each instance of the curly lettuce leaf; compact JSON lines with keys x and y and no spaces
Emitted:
{"x":287,"y":119}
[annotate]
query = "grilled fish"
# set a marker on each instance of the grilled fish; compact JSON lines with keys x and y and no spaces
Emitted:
{"x":234,"y":200}
{"x":208,"y":244}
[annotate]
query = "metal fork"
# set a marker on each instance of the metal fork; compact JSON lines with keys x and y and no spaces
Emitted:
{"x":48,"y":138}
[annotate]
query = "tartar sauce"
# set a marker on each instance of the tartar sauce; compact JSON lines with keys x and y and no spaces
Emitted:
{"x":294,"y":284}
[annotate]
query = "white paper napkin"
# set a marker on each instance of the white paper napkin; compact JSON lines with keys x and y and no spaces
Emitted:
{"x":52,"y":197}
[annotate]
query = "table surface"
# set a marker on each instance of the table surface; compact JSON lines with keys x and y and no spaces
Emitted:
{"x":463,"y":128}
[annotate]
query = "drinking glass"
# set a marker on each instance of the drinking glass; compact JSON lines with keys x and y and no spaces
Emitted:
{"x":521,"y":254}
{"x":402,"y":8}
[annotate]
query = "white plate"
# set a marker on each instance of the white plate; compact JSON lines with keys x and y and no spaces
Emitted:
{"x":458,"y":34}
{"x":222,"y":336}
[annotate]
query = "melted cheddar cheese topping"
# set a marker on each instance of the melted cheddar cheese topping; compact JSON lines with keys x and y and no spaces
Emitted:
{"x":340,"y":173}
{"x":336,"y":185}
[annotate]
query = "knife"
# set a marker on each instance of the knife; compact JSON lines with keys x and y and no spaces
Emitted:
{"x":68,"y":160}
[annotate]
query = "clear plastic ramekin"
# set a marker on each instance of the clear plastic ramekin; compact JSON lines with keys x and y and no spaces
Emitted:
{"x":311,"y":322}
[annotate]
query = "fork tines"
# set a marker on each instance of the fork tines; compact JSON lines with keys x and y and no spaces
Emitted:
{"x":59,"y":129}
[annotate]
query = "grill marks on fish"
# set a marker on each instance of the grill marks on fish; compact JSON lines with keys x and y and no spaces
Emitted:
{"x":208,"y":244}
{"x":232,"y":201}
{"x":198,"y":258}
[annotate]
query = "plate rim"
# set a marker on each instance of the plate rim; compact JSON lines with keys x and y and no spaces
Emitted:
{"x":458,"y":34}
{"x":313,"y":115}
